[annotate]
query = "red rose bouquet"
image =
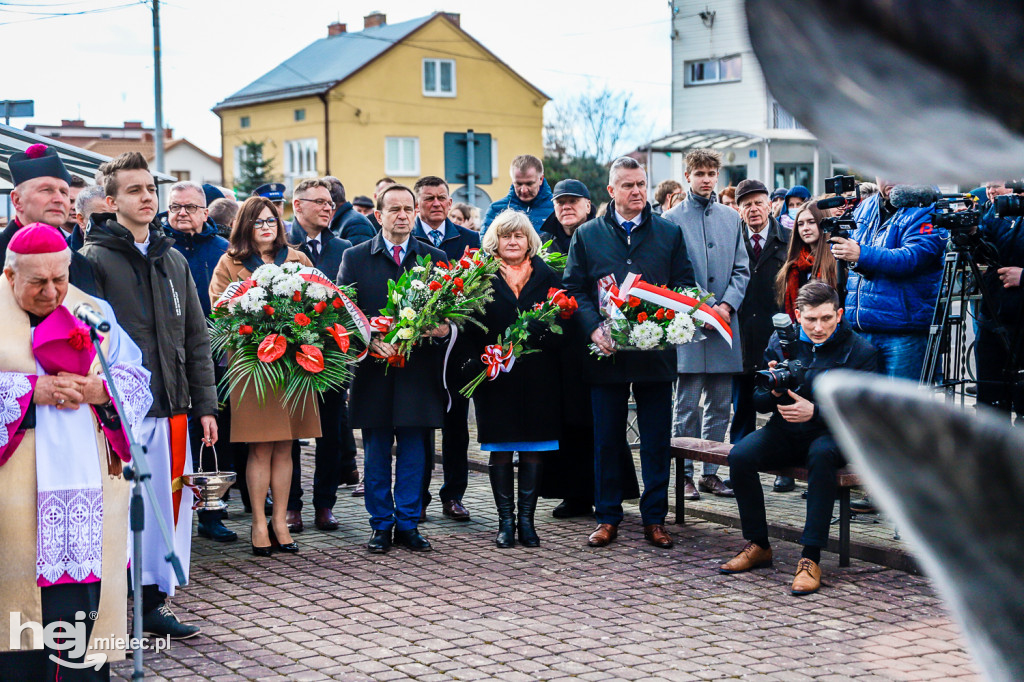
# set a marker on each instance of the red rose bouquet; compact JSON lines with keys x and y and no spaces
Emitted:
{"x":287,"y":328}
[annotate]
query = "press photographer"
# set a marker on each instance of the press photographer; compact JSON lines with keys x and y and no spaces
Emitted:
{"x":997,"y":365}
{"x":796,"y":434}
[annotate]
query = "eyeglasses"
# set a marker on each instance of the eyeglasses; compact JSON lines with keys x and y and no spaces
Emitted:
{"x":269,"y":222}
{"x":320,"y":203}
{"x":188,"y":208}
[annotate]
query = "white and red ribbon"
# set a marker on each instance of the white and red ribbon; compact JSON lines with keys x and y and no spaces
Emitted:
{"x":497,"y":359}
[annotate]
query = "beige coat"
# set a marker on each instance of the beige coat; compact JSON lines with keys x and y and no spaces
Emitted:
{"x":252,"y":422}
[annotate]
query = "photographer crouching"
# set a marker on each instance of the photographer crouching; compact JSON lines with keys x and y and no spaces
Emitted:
{"x":997,"y":367}
{"x":796,"y":434}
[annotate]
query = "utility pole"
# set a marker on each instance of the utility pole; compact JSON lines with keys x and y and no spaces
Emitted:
{"x":158,"y":128}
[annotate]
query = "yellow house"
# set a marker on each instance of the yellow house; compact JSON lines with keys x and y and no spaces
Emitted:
{"x":377,"y":102}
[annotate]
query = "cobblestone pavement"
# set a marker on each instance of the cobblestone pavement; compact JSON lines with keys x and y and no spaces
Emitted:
{"x":469,"y":611}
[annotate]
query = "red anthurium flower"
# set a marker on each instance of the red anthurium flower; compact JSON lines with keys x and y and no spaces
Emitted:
{"x":441,"y":264}
{"x":642,"y":317}
{"x":310,"y":359}
{"x":569,"y":309}
{"x":340,"y":335}
{"x":269,"y":310}
{"x":271,"y":348}
{"x":337,"y":302}
{"x":302,"y":319}
{"x":634,"y":301}
{"x":245,"y":329}
{"x":320,"y":307}
{"x":297,"y":296}
{"x":396,"y":360}
{"x":435,"y":285}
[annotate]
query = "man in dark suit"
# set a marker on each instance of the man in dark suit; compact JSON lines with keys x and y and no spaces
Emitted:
{"x":433,"y":227}
{"x":348,"y":223}
{"x":629,"y":238}
{"x":336,"y":448}
{"x":767,"y":242}
{"x":394,"y":403}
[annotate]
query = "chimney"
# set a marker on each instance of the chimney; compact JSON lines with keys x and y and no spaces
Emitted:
{"x":454,"y":17}
{"x":374,"y":19}
{"x":73,"y":123}
{"x":335,"y":29}
{"x":133,"y":125}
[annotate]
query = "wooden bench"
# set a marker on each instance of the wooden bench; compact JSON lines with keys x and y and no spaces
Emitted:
{"x":718,"y":453}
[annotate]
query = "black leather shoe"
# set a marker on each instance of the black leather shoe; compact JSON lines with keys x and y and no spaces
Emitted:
{"x":215,"y":530}
{"x":260,"y":551}
{"x":571,"y":508}
{"x":411,"y":539}
{"x":161,"y":622}
{"x":351,"y":478}
{"x":290,"y":548}
{"x":784,"y":484}
{"x":380,"y":541}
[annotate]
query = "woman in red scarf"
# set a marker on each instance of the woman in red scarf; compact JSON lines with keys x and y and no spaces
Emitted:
{"x":809,"y":257}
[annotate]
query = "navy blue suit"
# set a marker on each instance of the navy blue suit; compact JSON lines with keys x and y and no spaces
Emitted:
{"x":336,"y":448}
{"x":455,"y":433}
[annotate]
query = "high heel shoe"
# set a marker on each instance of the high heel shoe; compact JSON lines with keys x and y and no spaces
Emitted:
{"x":260,"y":551}
{"x":290,"y":548}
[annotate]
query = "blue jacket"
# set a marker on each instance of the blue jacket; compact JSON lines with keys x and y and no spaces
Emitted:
{"x":202,"y":251}
{"x":456,"y":238}
{"x":895,"y":283}
{"x":332,"y":249}
{"x":537,"y":210}
{"x":351,"y":225}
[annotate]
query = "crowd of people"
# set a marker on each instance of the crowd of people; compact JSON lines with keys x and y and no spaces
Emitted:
{"x":862,"y":301}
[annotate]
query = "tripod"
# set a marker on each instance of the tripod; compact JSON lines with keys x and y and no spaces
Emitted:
{"x":946,"y":353}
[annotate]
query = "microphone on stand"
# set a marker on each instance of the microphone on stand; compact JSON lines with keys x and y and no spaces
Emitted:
{"x":86,"y":313}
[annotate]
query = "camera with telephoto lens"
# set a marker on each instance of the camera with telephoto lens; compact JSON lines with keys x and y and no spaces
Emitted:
{"x":1011,"y":205}
{"x":844,"y":225}
{"x":788,"y":374}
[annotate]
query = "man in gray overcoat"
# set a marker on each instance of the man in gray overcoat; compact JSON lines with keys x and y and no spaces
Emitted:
{"x":714,"y":240}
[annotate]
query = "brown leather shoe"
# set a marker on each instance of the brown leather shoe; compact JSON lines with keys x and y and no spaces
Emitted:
{"x":690,"y":490}
{"x":294,"y":521}
{"x":603,"y":536}
{"x":656,"y":535}
{"x":455,"y":511}
{"x":752,"y":556}
{"x":714,"y":485}
{"x":808,"y":577}
{"x":325,"y":520}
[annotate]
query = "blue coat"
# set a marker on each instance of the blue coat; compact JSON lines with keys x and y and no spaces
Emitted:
{"x":331,"y":250}
{"x":894,"y":285}
{"x":203,"y":252}
{"x":456,"y":238}
{"x":351,"y":225}
{"x":537,"y":210}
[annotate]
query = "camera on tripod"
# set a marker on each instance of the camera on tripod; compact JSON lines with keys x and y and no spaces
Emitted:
{"x":1011,"y":205}
{"x":844,"y":224}
{"x":788,"y":374}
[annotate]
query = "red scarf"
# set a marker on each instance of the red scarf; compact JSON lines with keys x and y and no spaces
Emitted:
{"x":798,"y":270}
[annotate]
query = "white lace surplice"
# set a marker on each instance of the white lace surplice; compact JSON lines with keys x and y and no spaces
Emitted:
{"x":68,"y":475}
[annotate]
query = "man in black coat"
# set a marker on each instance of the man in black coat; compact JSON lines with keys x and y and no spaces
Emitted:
{"x":41,"y":194}
{"x":630,"y":238}
{"x":433,"y":227}
{"x":391,"y":403}
{"x":796,"y":434}
{"x":335,"y":461}
{"x":347,"y":222}
{"x":572,"y":208}
{"x":767,"y":242}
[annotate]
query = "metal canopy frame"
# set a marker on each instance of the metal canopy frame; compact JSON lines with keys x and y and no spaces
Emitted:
{"x":703,"y":139}
{"x":78,"y":161}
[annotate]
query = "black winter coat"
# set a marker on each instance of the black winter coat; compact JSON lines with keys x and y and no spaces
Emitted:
{"x":155,"y":300}
{"x":331,"y":250}
{"x":656,"y":250}
{"x":846,"y":349}
{"x":351,"y":225}
{"x":553,"y":231}
{"x":1007,"y":236}
{"x":456,"y":238}
{"x":383,"y":396}
{"x":759,"y":302}
{"x":80,"y":273}
{"x":525,"y":403}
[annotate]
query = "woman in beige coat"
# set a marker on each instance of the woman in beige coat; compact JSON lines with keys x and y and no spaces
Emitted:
{"x":257,"y":238}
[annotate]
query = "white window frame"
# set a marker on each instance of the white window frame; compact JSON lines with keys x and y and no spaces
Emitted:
{"x":239,"y":156}
{"x":437,"y":91}
{"x":300,"y":159}
{"x":393,"y":166}
{"x":495,"y":171}
{"x":718,"y":66}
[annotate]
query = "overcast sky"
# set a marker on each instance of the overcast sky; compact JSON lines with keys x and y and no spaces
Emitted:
{"x":99,"y":65}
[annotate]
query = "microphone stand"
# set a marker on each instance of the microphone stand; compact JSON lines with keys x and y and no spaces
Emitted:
{"x":140,"y":475}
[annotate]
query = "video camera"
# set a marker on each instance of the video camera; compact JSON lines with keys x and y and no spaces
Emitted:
{"x":788,"y":374}
{"x":1011,"y":205}
{"x":843,"y":225}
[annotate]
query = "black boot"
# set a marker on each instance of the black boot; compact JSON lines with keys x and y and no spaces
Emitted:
{"x":503,"y":487}
{"x":529,"y":479}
